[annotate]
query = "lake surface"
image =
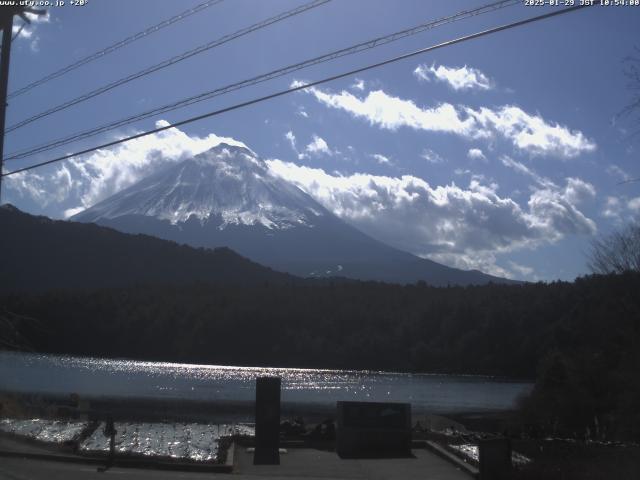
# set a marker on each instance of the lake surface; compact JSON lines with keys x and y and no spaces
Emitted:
{"x":93,"y":377}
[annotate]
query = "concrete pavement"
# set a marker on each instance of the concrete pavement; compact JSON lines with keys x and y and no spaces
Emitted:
{"x":320,"y":464}
{"x":296,"y":463}
{"x":28,"y":469}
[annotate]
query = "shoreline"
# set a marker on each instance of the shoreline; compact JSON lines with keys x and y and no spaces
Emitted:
{"x":500,"y":378}
{"x":191,"y":410}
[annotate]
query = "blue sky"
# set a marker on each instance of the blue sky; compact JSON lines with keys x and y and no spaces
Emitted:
{"x":503,"y":154}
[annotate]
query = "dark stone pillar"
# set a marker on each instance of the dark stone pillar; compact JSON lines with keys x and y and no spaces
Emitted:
{"x":494,"y":458}
{"x":267,"y":421}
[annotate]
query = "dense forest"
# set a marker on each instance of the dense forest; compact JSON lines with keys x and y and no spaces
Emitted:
{"x":39,"y":254}
{"x":86,"y":290}
{"x":581,"y":340}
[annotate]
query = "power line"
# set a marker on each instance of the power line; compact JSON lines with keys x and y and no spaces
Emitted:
{"x":115,"y":46}
{"x":304,"y":86}
{"x":630,"y":180}
{"x":17,"y":34}
{"x":170,"y":61}
{"x":376,"y":42}
{"x":6,"y":23}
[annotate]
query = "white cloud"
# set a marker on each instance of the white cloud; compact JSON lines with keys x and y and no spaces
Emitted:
{"x":476,"y":154}
{"x":28,"y":31}
{"x":30,"y":185}
{"x":431,"y":156}
{"x":634,"y":204}
{"x":484,"y":261}
{"x":392,"y":113}
{"x":302,"y":112}
{"x":291,"y":138}
{"x":553,"y":207}
{"x":358,"y":84}
{"x":617,"y":172}
{"x":612,"y":208}
{"x":556,"y":210}
{"x":621,"y":209}
{"x":529,"y":133}
{"x":80,"y":182}
{"x":466,"y":227}
{"x":523,"y":169}
{"x":458,"y":78}
{"x":578,"y":191}
{"x":523,"y":270}
{"x":381,"y":159}
{"x":317,"y":146}
{"x":70,"y":212}
{"x":532,"y":133}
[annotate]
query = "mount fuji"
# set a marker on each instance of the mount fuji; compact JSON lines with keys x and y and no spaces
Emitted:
{"x":227,"y":196}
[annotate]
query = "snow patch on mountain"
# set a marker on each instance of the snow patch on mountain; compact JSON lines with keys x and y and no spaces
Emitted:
{"x":228,"y":184}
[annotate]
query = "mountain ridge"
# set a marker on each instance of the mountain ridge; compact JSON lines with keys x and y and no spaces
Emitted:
{"x":39,"y":254}
{"x":228,"y":197}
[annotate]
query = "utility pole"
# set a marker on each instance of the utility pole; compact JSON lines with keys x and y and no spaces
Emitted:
{"x":6,"y":23}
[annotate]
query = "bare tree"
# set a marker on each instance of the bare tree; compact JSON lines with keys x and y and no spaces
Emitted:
{"x":618,"y":252}
{"x":632,"y":110}
{"x":632,"y":72}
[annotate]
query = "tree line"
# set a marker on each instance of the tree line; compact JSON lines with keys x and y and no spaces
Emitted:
{"x":579,"y":340}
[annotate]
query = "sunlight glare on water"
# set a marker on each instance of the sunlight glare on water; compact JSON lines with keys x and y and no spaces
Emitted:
{"x":20,"y":372}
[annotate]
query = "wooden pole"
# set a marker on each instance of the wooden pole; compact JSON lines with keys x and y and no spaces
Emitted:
{"x":5,"y":55}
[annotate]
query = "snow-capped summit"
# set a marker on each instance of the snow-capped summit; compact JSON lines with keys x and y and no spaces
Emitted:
{"x":228,"y":197}
{"x":227,"y":185}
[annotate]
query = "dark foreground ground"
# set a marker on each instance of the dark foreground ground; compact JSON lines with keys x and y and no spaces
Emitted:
{"x":551,"y":459}
{"x":568,"y":461}
{"x":23,"y":469}
{"x":557,"y":459}
{"x":295,"y":463}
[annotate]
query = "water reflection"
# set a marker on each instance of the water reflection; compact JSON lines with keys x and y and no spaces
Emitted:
{"x":21,"y":372}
